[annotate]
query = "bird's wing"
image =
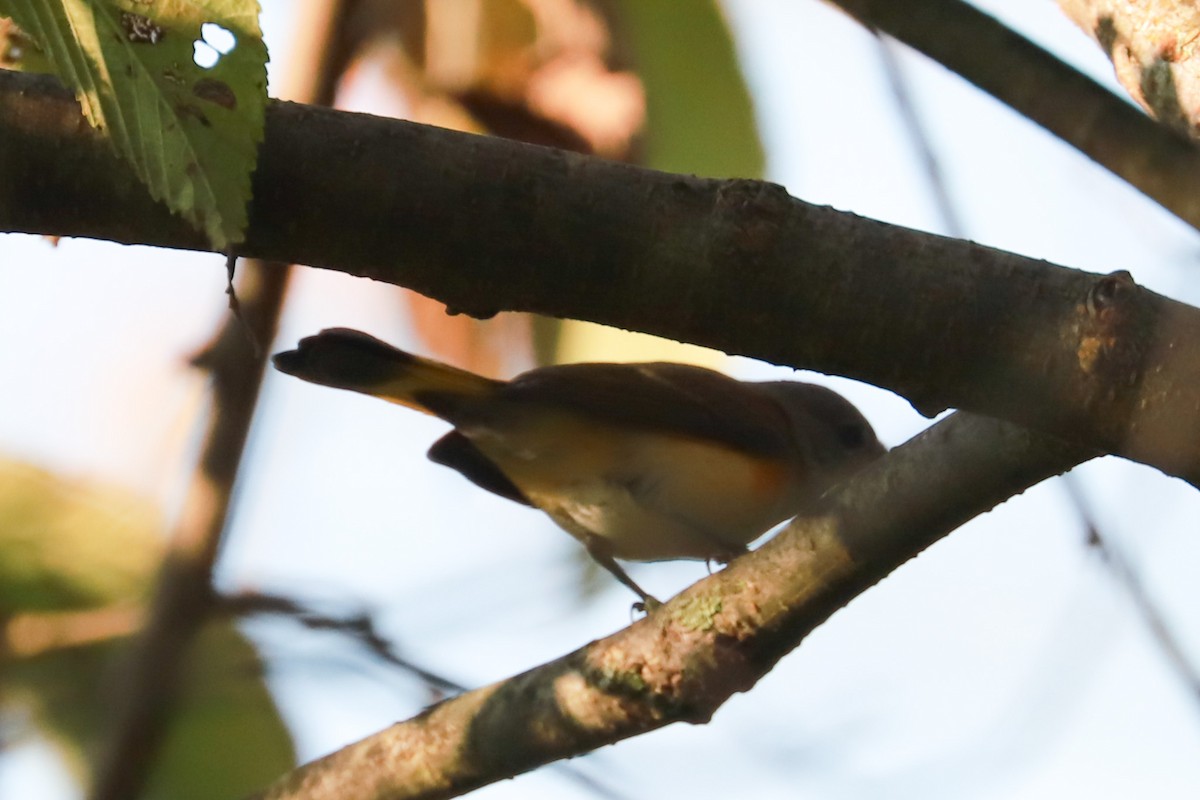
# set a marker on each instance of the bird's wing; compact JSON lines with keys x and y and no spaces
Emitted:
{"x":679,"y":399}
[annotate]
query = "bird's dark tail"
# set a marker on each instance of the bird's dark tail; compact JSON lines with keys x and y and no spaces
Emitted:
{"x":349,"y":359}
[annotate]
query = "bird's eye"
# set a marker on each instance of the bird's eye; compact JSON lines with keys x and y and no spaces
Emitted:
{"x":851,"y":436}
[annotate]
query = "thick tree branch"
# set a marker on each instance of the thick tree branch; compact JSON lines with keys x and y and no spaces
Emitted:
{"x":716,"y":638}
{"x":486,"y":224}
{"x":1049,"y":92}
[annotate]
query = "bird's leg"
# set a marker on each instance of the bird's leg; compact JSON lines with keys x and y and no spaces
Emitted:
{"x":598,"y":549}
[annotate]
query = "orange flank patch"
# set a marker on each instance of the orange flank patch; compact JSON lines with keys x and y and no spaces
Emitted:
{"x":768,"y":477}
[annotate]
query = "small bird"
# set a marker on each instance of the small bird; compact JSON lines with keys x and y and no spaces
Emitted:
{"x":641,"y":462}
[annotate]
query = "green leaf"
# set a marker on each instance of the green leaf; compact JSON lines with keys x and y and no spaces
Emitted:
{"x":700,"y":113}
{"x":68,"y":546}
{"x":225,"y":738}
{"x":190,"y":132}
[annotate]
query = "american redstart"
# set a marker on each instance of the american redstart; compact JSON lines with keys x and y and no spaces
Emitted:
{"x":643,"y":462}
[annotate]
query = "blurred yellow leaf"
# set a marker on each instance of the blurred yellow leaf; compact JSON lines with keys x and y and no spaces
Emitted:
{"x":70,"y":543}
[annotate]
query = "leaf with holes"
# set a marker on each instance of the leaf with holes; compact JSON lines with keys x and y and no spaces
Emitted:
{"x":20,"y":53}
{"x":178,"y":86}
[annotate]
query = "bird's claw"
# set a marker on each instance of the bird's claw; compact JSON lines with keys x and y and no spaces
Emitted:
{"x":647,"y":605}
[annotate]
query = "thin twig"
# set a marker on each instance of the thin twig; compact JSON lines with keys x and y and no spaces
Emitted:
{"x":235,"y":306}
{"x":360,"y":626}
{"x":926,"y":154}
{"x":1125,"y":575}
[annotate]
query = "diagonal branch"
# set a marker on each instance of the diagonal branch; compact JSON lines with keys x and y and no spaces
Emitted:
{"x":713,"y":640}
{"x":1049,"y":92}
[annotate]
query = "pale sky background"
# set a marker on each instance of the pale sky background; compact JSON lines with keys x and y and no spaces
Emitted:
{"x":1002,"y":663}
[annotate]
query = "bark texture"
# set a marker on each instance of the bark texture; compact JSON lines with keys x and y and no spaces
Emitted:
{"x":1154,"y":46}
{"x":715,"y":639}
{"x":486,"y":225}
